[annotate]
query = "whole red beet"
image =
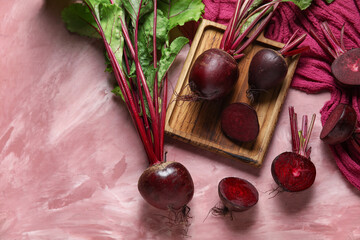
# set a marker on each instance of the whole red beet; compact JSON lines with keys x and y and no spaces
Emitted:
{"x":166,"y":185}
{"x":213,"y":74}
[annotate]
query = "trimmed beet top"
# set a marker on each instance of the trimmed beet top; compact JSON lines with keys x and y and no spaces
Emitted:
{"x":346,"y":64}
{"x":294,"y":171}
{"x":239,"y":122}
{"x":268,"y":67}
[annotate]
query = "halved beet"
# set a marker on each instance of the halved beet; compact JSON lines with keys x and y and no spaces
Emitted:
{"x":293,"y":172}
{"x":239,"y":122}
{"x":237,"y":194}
{"x":213,"y":74}
{"x":340,"y":125}
{"x":346,"y":67}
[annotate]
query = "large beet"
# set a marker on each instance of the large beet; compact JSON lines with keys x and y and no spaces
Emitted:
{"x":213,"y":74}
{"x":167,"y":185}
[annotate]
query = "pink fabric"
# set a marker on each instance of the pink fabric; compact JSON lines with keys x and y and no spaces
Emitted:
{"x":313,"y":74}
{"x":219,"y":10}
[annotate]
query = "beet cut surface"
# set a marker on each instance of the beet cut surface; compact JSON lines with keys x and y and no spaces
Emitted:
{"x":237,"y":194}
{"x":340,"y":125}
{"x":293,"y":172}
{"x":239,"y":122}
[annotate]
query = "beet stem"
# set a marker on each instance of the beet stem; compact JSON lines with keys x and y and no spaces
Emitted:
{"x":152,"y":110}
{"x":258,"y":30}
{"x":342,"y":45}
{"x":121,"y":79}
{"x":291,"y":44}
{"x":307,"y":139}
{"x":322,"y":43}
{"x":158,"y":145}
{"x":332,"y":40}
{"x":294,"y":130}
{"x":296,"y":51}
{"x":241,"y":37}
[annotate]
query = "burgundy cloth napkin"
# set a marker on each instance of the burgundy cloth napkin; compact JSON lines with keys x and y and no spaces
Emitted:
{"x":313,"y":73}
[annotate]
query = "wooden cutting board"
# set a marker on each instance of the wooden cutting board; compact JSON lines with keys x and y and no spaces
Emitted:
{"x":198,"y":123}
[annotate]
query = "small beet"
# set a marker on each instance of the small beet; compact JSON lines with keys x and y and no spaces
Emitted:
{"x":340,"y":125}
{"x":237,"y":194}
{"x":239,"y":122}
{"x":268,"y":67}
{"x":346,"y":68}
{"x":167,"y":185}
{"x":293,"y":172}
{"x":267,"y":70}
{"x":213,"y":74}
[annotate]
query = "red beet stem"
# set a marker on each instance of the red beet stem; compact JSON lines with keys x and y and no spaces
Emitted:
{"x":294,"y":131}
{"x":336,"y":48}
{"x":258,"y":30}
{"x":288,"y":49}
{"x":300,"y":139}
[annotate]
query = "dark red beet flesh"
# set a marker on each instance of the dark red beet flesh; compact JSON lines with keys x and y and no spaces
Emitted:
{"x":213,"y":74}
{"x":340,"y":125}
{"x":293,"y":172}
{"x":346,"y":68}
{"x":237,"y":194}
{"x":267,"y":70}
{"x":239,"y":122}
{"x":166,"y":186}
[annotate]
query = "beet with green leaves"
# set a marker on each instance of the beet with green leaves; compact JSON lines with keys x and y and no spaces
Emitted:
{"x":164,"y":185}
{"x":294,"y":171}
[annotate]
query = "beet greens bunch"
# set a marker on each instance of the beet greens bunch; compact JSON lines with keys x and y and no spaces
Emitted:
{"x":139,"y":53}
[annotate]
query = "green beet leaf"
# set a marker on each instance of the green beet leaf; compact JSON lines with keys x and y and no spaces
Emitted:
{"x":181,"y":11}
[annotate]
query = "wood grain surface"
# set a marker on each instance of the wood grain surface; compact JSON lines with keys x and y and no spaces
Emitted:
{"x":198,"y":123}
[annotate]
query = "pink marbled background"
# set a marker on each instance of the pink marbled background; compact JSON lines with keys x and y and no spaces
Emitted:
{"x":70,"y":158}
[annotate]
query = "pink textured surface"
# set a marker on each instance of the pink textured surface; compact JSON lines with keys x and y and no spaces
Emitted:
{"x":70,"y":158}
